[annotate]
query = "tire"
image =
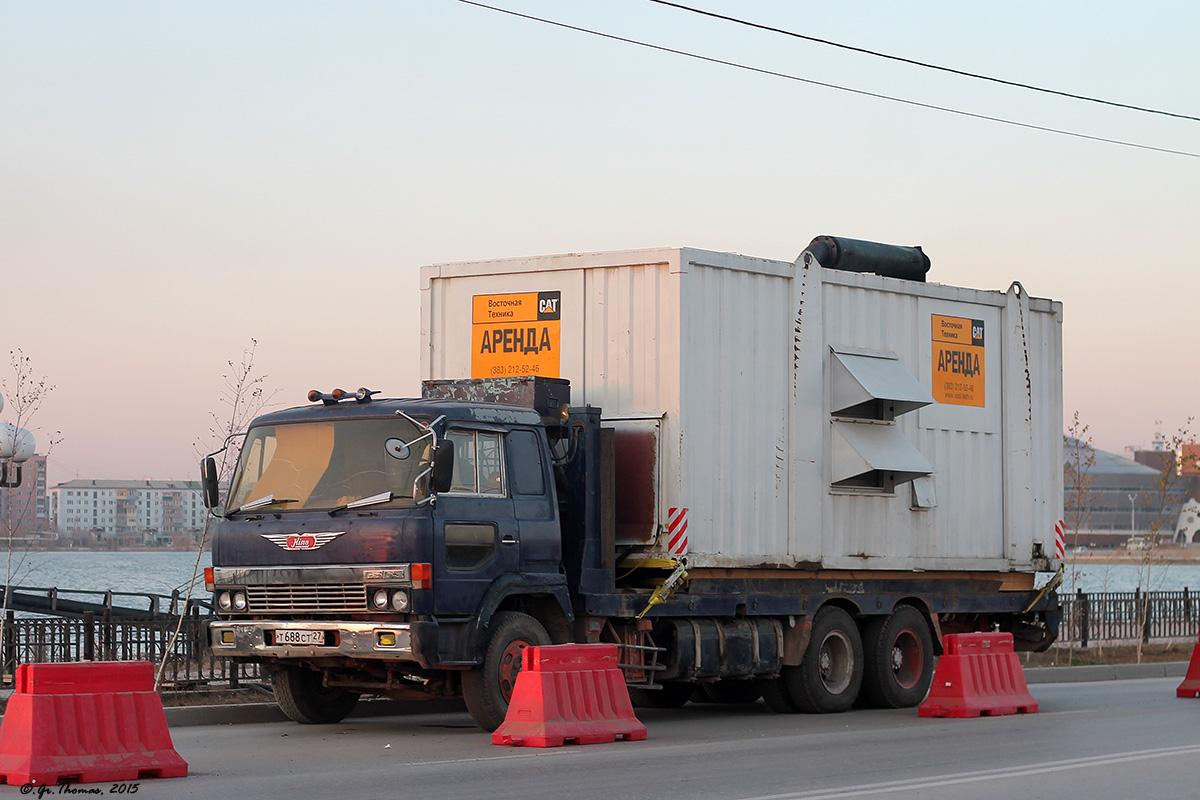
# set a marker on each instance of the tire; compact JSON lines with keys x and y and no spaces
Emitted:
{"x":776,"y":695}
{"x":897,"y":659}
{"x":672,"y":695}
{"x":830,"y":674}
{"x":731,"y":692}
{"x":300,"y":696}
{"x":488,"y":687}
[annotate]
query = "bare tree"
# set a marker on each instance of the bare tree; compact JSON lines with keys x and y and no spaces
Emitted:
{"x":1162,"y":501}
{"x":1080,"y":458}
{"x":243,"y":397}
{"x":25,"y":392}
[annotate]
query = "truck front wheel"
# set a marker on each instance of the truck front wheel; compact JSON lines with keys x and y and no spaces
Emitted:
{"x":898,"y":659}
{"x":830,"y":674}
{"x":488,"y":688}
{"x":302,"y":697}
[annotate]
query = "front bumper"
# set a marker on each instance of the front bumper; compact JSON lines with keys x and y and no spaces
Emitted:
{"x":385,"y":641}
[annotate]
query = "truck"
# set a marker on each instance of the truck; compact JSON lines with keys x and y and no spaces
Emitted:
{"x":757,"y":478}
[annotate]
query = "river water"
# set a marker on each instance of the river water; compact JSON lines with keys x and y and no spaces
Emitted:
{"x":125,"y":571}
{"x":160,"y":572}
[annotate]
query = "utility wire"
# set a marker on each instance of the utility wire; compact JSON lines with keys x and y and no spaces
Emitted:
{"x":811,"y":82}
{"x":924,"y":64}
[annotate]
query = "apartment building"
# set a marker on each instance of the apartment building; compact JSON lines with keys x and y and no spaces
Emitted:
{"x":24,"y":509}
{"x":145,"y":511}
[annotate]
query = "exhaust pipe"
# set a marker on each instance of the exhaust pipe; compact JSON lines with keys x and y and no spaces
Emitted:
{"x":855,"y":255}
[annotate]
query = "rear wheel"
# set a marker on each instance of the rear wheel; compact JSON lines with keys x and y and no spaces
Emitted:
{"x":671,"y":695}
{"x":897,"y":659}
{"x":830,"y":674}
{"x":488,"y":688}
{"x":302,"y":697}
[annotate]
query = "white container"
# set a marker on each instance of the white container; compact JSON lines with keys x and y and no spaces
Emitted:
{"x":784,"y":412}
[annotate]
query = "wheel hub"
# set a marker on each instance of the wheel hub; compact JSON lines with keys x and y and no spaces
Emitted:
{"x":835,"y":662}
{"x":907,"y":659}
{"x":510,"y":667}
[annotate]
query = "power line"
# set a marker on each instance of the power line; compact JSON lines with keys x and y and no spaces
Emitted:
{"x":811,"y":82}
{"x":924,"y":64}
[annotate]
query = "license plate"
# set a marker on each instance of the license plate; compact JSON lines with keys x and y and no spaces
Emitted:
{"x":300,"y":637}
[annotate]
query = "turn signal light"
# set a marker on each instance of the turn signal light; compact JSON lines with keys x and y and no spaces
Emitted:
{"x":208,"y":579}
{"x":422,"y":576}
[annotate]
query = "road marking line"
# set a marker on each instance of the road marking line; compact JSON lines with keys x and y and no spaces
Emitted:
{"x":529,"y":754}
{"x":911,"y":784}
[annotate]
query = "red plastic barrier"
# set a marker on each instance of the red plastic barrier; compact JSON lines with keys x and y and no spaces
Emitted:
{"x":1191,"y":682}
{"x":89,"y":722}
{"x":979,"y":675}
{"x":569,"y":692}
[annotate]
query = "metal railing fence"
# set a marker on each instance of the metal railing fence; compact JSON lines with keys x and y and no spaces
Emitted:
{"x":1089,"y":617}
{"x":189,"y":663}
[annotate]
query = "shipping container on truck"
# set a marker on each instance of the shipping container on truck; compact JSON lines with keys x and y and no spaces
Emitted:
{"x":757,"y":477}
{"x":794,"y":416}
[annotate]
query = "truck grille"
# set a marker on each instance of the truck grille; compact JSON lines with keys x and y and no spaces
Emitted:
{"x":321,"y":598}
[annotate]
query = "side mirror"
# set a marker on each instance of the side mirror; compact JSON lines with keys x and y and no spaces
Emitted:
{"x":442,"y":473}
{"x":209,"y":484}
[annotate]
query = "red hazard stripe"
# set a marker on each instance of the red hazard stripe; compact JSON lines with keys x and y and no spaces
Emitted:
{"x":673,"y":542}
{"x":677,"y":530}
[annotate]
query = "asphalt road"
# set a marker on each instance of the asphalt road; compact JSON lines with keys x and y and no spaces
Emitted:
{"x":1108,"y":739}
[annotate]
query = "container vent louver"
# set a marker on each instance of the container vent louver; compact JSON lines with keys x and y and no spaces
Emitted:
{"x":867,"y":392}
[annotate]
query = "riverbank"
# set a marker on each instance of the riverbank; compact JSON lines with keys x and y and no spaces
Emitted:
{"x":1163,"y":554}
{"x":1110,"y":654}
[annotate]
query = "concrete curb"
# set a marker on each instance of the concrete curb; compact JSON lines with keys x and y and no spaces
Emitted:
{"x":1106,"y":672}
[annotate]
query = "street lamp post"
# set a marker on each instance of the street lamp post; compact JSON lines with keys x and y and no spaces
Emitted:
{"x":16,"y":447}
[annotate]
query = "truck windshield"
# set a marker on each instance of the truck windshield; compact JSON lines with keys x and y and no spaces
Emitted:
{"x":324,"y":465}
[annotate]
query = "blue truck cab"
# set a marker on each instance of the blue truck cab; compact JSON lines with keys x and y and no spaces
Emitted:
{"x":371,"y":544}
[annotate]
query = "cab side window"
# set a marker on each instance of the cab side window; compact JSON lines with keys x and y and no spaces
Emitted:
{"x":478,"y":463}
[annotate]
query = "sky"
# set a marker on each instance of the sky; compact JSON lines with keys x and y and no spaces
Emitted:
{"x":180,"y":182}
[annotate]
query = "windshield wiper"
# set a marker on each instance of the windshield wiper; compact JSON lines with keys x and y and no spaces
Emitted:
{"x":261,"y":502}
{"x":382,"y":497}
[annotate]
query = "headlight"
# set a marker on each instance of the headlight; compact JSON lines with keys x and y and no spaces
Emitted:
{"x":380,"y":598}
{"x":239,"y":601}
{"x":400,"y":601}
{"x":224,"y":602}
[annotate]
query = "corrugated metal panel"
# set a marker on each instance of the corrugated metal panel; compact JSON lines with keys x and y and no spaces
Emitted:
{"x":1046,"y":360}
{"x":734,"y":408}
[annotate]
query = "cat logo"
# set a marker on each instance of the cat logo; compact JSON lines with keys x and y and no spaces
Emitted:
{"x":302,"y":541}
